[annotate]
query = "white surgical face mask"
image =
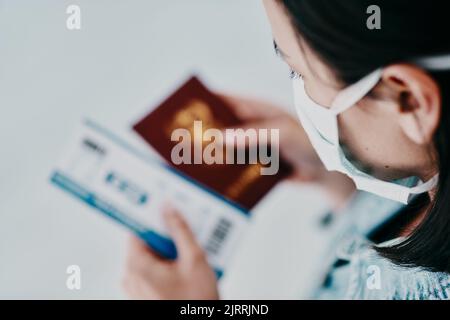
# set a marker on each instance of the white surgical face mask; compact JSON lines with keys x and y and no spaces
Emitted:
{"x":321,"y":126}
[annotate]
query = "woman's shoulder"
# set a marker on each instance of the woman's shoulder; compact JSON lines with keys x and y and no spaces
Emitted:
{"x":375,"y":277}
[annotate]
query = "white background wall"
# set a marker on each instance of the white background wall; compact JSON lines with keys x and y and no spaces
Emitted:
{"x":128,"y":56}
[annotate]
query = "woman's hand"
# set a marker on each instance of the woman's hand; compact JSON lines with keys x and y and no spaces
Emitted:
{"x":148,"y":276}
{"x":294,"y":145}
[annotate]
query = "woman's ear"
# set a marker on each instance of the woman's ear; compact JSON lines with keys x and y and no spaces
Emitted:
{"x":419,"y":100}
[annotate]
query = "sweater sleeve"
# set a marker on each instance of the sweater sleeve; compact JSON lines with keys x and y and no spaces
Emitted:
{"x":374,"y":277}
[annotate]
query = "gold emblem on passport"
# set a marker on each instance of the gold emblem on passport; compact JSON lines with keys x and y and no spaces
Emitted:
{"x":195,"y":110}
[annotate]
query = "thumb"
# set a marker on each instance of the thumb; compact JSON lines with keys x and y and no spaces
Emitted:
{"x":185,"y":241}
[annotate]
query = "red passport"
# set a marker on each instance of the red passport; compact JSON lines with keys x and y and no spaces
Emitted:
{"x":240,"y":183}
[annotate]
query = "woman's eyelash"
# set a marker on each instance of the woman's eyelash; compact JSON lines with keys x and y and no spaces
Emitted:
{"x":294,"y":74}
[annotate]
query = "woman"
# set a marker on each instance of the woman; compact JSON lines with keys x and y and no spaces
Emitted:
{"x":375,"y":107}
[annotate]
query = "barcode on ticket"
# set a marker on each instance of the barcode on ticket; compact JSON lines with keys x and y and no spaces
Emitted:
{"x":218,"y":236}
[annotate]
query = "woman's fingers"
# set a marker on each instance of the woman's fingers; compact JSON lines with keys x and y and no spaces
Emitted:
{"x":142,"y":263}
{"x":187,"y":247}
{"x":140,"y":254}
{"x":243,"y":138}
{"x":148,"y":276}
{"x":287,"y":137}
{"x":291,"y":141}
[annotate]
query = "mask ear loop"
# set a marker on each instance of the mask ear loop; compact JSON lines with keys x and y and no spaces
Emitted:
{"x":349,"y":96}
{"x":434,"y":63}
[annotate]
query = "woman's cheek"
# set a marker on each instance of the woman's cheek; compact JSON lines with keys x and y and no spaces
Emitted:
{"x":362,"y":138}
{"x":374,"y":143}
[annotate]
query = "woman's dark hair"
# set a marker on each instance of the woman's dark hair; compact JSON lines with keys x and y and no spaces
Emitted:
{"x":337,"y":31}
